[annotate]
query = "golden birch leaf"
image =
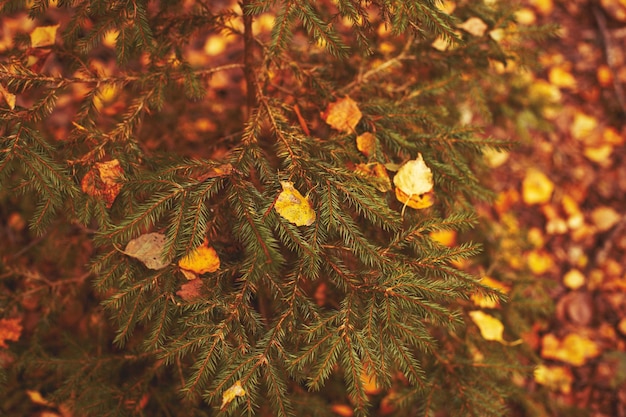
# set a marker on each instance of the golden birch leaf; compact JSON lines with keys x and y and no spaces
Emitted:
{"x":413,"y":181}
{"x":342,"y":115}
{"x":103,"y":181}
{"x":148,"y":248}
{"x":474,"y":26}
{"x":556,"y":378}
{"x":366,"y":143}
{"x":201,"y":260}
{"x":10,"y":329}
{"x":377,"y":172}
{"x":9,"y":98}
{"x":229,"y":395}
{"x":293,"y":207}
{"x":490,"y":327}
{"x":43,"y":36}
{"x":536,"y":187}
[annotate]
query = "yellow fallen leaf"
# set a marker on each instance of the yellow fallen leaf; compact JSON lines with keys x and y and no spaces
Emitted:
{"x":489,"y":302}
{"x":292,"y":206}
{"x":583,"y":125}
{"x":539,"y":261}
{"x":43,"y":36}
{"x":37,"y":398}
{"x":490,"y":327}
{"x":343,"y":115}
{"x":497,"y":34}
{"x":560,"y":77}
{"x":525,"y":16}
{"x":441,"y":44}
{"x":615,"y":8}
{"x":600,"y":154}
{"x":536,"y":187}
{"x":574,"y":279}
{"x":229,"y":395}
{"x":544,"y":7}
{"x":604,"y":75}
{"x":474,"y":26}
{"x":377,"y":172}
{"x":605,"y":217}
{"x":9,"y":98}
{"x":201,"y":260}
{"x":445,"y":237}
{"x":556,"y":378}
{"x":366,"y":143}
{"x":495,"y":157}
{"x":574,"y":349}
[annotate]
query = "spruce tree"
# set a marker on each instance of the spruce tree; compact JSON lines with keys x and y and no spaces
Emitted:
{"x":250,"y":228}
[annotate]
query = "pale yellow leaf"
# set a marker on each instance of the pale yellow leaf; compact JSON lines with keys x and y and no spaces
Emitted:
{"x":414,"y":177}
{"x":605,"y":217}
{"x":490,"y":327}
{"x":43,"y":36}
{"x":560,"y":77}
{"x":539,"y":261}
{"x":234,"y":391}
{"x":574,"y":279}
{"x":574,"y":349}
{"x":366,"y":143}
{"x":148,"y":248}
{"x":474,"y":26}
{"x":556,"y":378}
{"x":293,"y":207}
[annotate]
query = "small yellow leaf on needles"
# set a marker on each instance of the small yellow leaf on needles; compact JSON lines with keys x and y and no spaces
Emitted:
{"x":9,"y":98}
{"x":413,"y":180}
{"x":43,"y":36}
{"x":293,"y":207}
{"x":490,"y":327}
{"x":366,"y":143}
{"x":229,"y":395}
{"x":342,"y":115}
{"x":201,"y":260}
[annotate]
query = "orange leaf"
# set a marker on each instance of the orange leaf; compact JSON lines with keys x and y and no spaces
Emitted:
{"x":377,"y":172}
{"x":229,"y":395}
{"x":474,"y":26}
{"x":201,"y":260}
{"x":9,"y":98}
{"x":43,"y":36}
{"x":342,"y":115}
{"x":574,"y":349}
{"x":366,"y":143}
{"x":103,"y":181}
{"x":292,"y":206}
{"x":10,"y":329}
{"x":148,"y":249}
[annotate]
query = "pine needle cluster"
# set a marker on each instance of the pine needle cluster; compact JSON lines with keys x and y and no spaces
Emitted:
{"x":361,"y":308}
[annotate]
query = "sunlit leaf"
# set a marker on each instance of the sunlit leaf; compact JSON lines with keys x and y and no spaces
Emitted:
{"x":43,"y":36}
{"x":292,"y":206}
{"x":201,"y":260}
{"x":343,"y":115}
{"x":234,"y":391}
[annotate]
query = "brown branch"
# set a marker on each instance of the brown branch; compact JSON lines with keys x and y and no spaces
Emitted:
{"x":249,"y":44}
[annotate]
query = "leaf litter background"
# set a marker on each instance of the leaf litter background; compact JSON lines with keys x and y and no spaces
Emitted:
{"x":560,"y":218}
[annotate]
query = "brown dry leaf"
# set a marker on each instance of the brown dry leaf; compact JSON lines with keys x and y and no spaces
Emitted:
{"x":148,"y":248}
{"x":377,"y":172}
{"x":9,"y":98}
{"x":366,"y":143}
{"x":343,"y":115}
{"x":490,"y":327}
{"x":536,"y":187}
{"x":103,"y":181}
{"x":574,"y":349}
{"x":229,"y":395}
{"x":217,"y":171}
{"x":43,"y":36}
{"x":294,"y":207}
{"x":10,"y":330}
{"x":474,"y":26}
{"x":556,"y":378}
{"x":201,"y":260}
{"x":190,"y":290}
{"x":413,"y":181}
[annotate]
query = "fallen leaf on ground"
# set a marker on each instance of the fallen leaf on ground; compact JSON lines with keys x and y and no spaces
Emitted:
{"x":103,"y":181}
{"x":377,"y":172}
{"x":413,"y":181}
{"x":536,"y":187}
{"x":294,"y":207}
{"x":201,"y":260}
{"x":445,"y":237}
{"x":366,"y":143}
{"x":343,"y":115}
{"x":574,"y":349}
{"x":583,"y":126}
{"x":474,"y":26}
{"x":562,"y":78}
{"x":43,"y":36}
{"x":490,"y":327}
{"x":148,"y":249}
{"x":574,"y":279}
{"x":10,"y":330}
{"x":369,"y":381}
{"x":556,"y":378}
{"x":229,"y":395}
{"x":605,"y":217}
{"x":539,"y":261}
{"x":615,"y":8}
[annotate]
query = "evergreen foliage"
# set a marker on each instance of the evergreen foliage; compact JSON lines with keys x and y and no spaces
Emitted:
{"x":298,"y":314}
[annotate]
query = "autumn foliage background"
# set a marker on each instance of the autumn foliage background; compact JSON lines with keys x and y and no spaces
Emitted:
{"x":288,"y":211}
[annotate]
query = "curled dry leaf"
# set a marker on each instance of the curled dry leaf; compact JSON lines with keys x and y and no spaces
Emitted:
{"x":377,"y":173}
{"x":10,"y":330}
{"x":293,"y":207}
{"x":148,"y":248}
{"x":413,"y":181}
{"x":366,"y":143}
{"x":342,"y":115}
{"x":103,"y":181}
{"x":43,"y":36}
{"x":201,"y":260}
{"x":229,"y":395}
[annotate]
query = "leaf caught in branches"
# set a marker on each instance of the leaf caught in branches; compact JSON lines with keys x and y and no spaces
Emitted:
{"x":43,"y":36}
{"x":201,"y":260}
{"x":413,"y":181}
{"x":148,"y":249}
{"x":103,"y":181}
{"x":229,"y":395}
{"x":292,"y":206}
{"x":342,"y":115}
